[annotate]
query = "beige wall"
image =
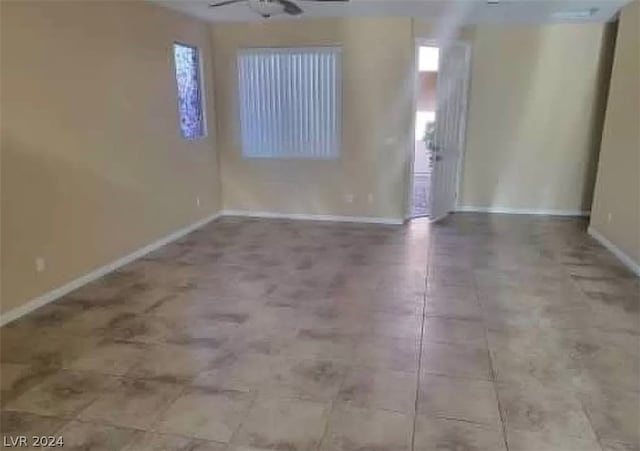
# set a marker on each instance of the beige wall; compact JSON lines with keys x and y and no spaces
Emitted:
{"x":535,"y":111}
{"x":377,"y":54}
{"x":93,"y":166}
{"x":617,"y":190}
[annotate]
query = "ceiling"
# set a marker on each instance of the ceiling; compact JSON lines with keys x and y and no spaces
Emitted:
{"x":465,"y":11}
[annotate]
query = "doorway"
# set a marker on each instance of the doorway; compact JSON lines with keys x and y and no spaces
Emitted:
{"x":441,"y":89}
{"x":425,"y":117}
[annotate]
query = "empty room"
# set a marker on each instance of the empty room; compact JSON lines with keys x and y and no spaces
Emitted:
{"x":320,"y":225}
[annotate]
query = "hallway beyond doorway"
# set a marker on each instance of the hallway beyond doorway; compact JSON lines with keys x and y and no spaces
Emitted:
{"x":425,"y":115}
{"x":421,"y":180}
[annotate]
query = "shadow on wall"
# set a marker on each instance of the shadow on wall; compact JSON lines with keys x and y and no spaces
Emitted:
{"x":382,"y":109}
{"x":505,"y":166}
{"x":603,"y":82}
{"x":541,"y":119}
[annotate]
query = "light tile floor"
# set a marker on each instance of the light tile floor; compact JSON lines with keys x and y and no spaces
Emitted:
{"x":483,"y":333}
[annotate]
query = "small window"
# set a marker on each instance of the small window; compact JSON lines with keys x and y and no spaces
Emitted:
{"x":289,"y":102}
{"x":190,"y":110}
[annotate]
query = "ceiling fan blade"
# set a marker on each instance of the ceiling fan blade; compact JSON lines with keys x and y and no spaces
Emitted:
{"x":325,"y":1}
{"x":225,"y":2}
{"x":290,"y":7}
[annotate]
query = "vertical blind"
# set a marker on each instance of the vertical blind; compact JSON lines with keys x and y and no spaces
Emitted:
{"x":290,"y":102}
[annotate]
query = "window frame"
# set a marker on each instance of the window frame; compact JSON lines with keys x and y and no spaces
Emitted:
{"x":201,"y":87}
{"x":339,"y":100}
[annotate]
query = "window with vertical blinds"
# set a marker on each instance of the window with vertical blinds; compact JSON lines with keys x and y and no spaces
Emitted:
{"x":290,"y":102}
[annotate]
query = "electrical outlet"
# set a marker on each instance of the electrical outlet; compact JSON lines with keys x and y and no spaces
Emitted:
{"x":40,"y":264}
{"x":609,"y":217}
{"x":197,"y":201}
{"x":370,"y":198}
{"x":348,"y":198}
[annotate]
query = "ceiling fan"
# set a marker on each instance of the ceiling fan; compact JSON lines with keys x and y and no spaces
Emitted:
{"x":268,"y":8}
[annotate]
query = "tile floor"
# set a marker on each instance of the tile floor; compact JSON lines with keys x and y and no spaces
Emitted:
{"x":483,"y":333}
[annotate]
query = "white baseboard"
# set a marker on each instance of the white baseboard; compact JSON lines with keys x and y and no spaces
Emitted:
{"x":615,"y":250}
{"x":52,"y":295}
{"x":306,"y":217}
{"x":520,"y":211}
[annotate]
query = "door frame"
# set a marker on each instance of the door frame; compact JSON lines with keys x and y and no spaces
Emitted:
{"x":415,"y":91}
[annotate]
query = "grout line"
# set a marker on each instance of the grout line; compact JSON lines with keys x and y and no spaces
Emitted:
{"x":325,"y":431}
{"x":254,"y":399}
{"x":580,"y":291}
{"x":422,"y":319}
{"x":491,"y":368}
{"x":593,"y":429}
{"x":134,"y":440}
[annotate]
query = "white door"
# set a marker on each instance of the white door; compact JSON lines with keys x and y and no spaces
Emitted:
{"x":451,"y":110}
